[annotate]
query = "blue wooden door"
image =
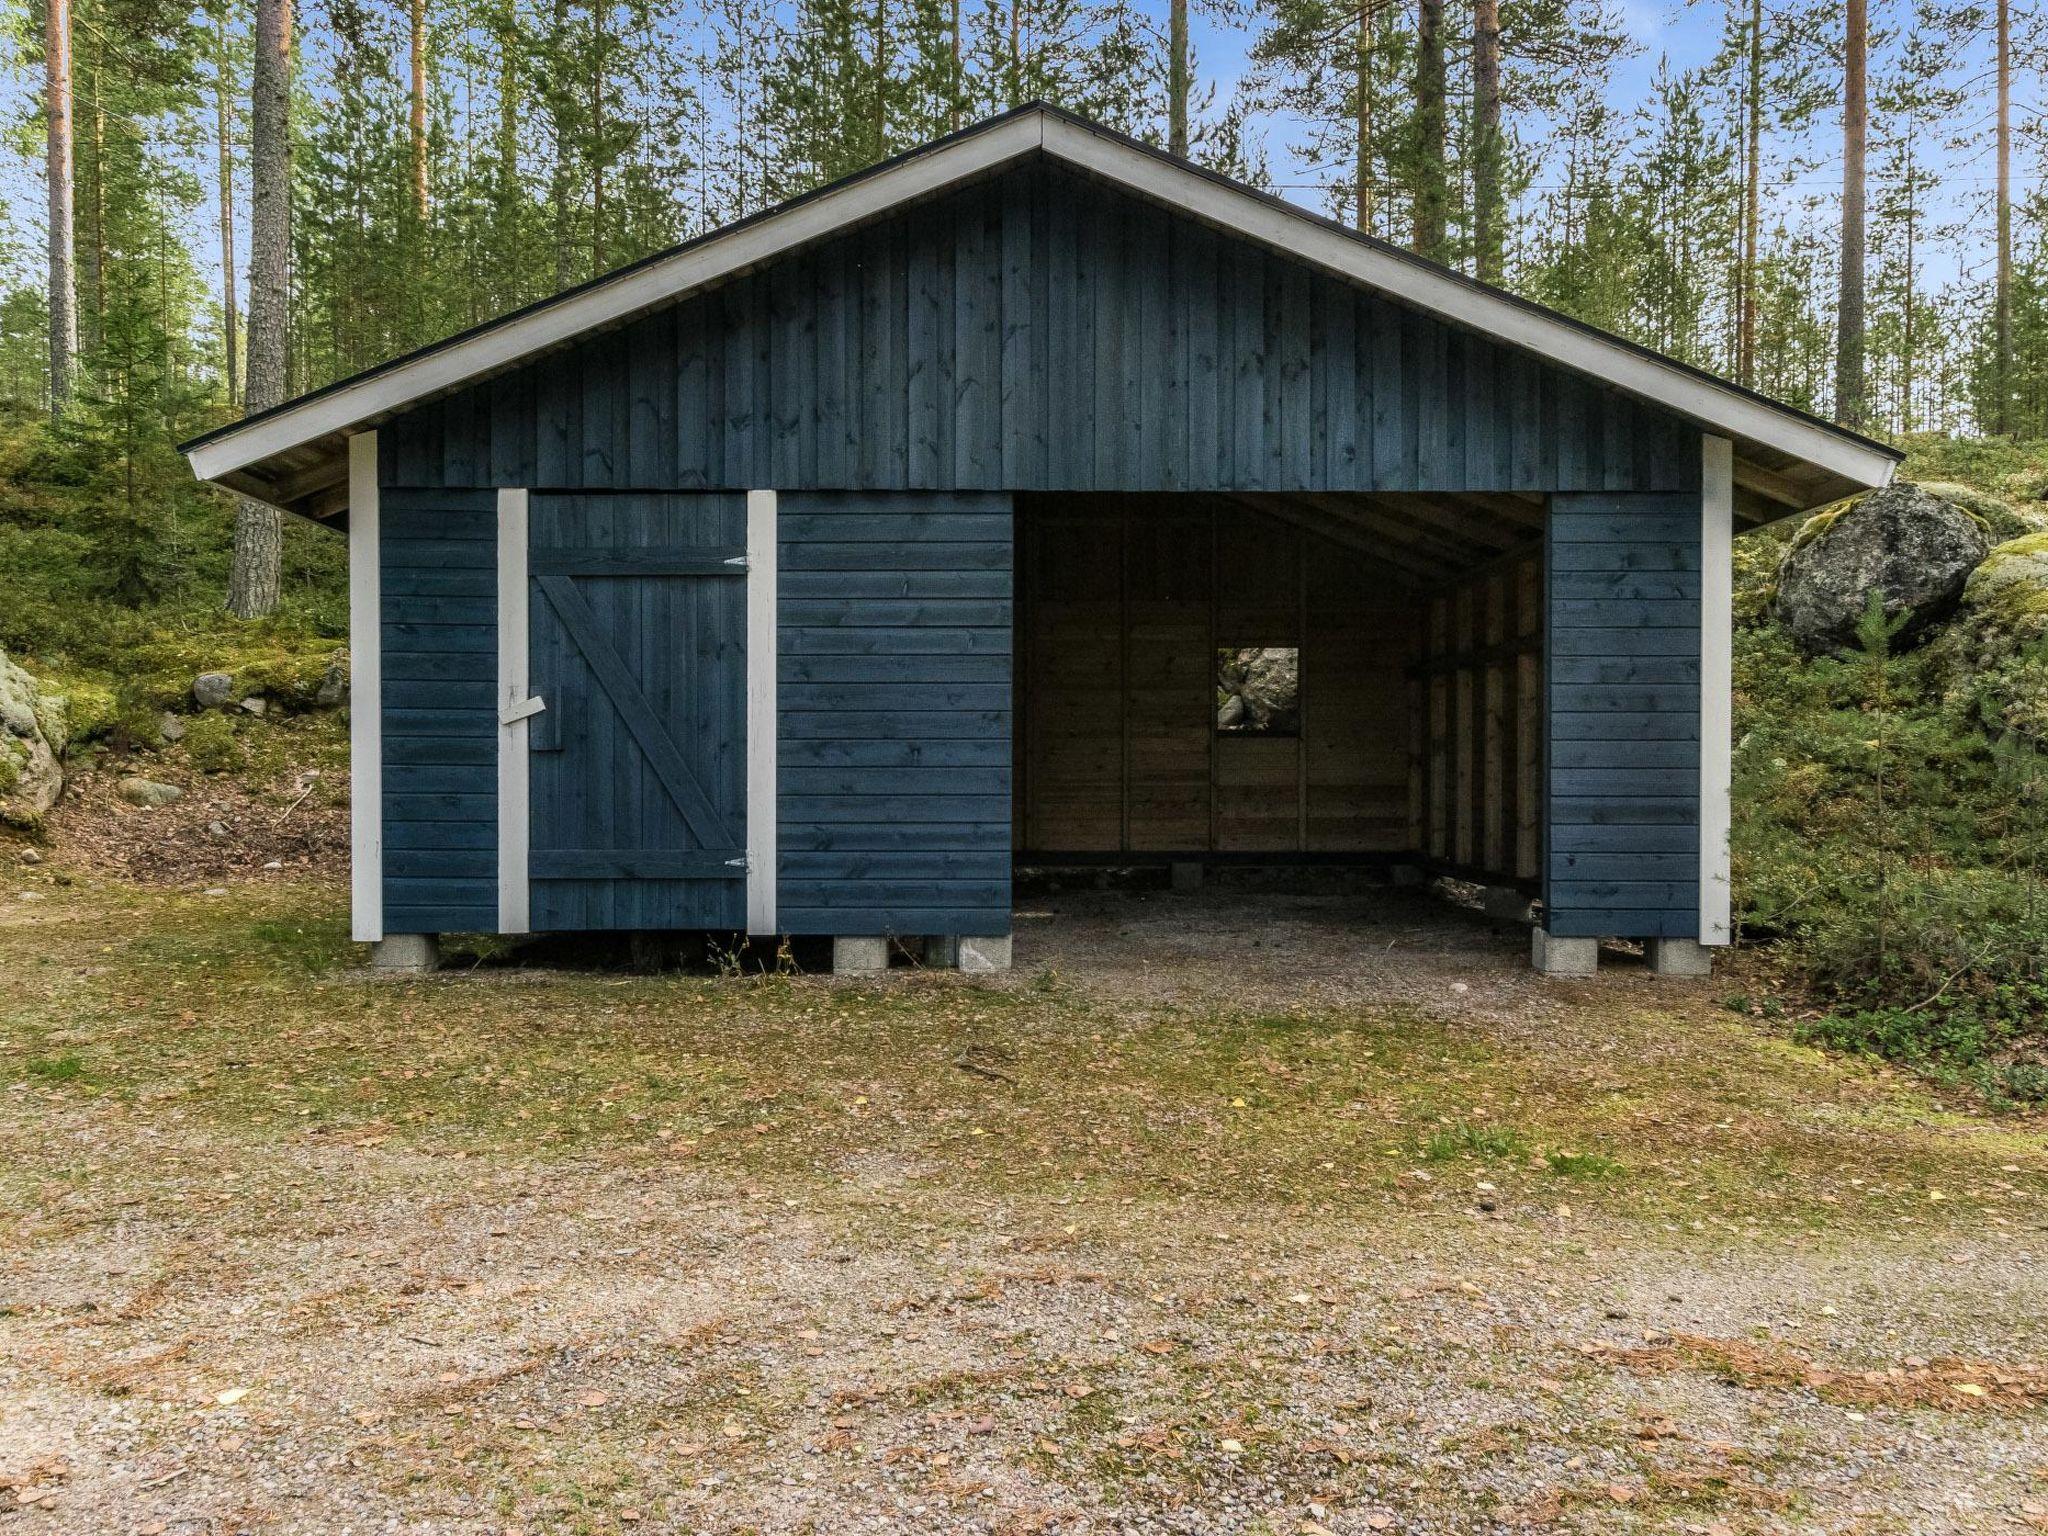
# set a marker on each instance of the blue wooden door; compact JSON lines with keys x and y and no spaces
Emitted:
{"x":637,"y":631}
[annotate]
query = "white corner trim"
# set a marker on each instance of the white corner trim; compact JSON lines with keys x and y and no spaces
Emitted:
{"x":514,"y":711}
{"x":366,"y":695}
{"x":1718,"y":407}
{"x":1717,"y":682}
{"x":761,"y":807}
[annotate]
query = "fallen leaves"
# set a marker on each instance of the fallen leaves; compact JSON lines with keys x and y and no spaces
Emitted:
{"x":1915,"y":1383}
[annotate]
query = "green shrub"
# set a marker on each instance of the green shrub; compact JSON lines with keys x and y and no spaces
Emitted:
{"x":1891,"y":837}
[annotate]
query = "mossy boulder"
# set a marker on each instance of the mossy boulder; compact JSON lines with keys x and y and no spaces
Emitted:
{"x":1915,"y":549}
{"x":33,"y":731}
{"x":1999,"y":517}
{"x":2012,"y":578}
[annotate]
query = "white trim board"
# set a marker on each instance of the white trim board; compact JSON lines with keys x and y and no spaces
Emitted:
{"x":761,"y":703}
{"x":1717,"y":682}
{"x":515,"y":713}
{"x":366,"y":695}
{"x":1716,"y":406}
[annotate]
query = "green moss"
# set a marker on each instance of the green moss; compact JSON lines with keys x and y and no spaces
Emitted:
{"x":92,"y":709}
{"x":1821,"y":522}
{"x":292,"y":678}
{"x":2013,"y":578}
{"x":210,"y":744}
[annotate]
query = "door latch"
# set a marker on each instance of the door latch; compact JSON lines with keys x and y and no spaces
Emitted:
{"x":512,"y":714}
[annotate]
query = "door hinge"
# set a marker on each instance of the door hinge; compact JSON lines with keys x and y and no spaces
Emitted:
{"x":739,"y":560}
{"x":512,"y":714}
{"x":742,"y":862}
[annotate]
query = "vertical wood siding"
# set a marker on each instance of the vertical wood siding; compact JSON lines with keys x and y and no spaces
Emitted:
{"x":1623,"y":579}
{"x":1037,"y":331}
{"x":1476,"y":713}
{"x":439,"y":623}
{"x":893,"y":714}
{"x":1040,"y":332}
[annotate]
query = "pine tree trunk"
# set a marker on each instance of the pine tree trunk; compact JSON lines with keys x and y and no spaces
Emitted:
{"x":508,"y":111}
{"x":957,"y":94}
{"x":2001,"y":300}
{"x":1752,"y":201}
{"x":1362,"y":171}
{"x":1177,"y":78}
{"x":1487,"y":210}
{"x":253,"y":580}
{"x":1849,"y":309}
{"x":63,"y":270}
{"x":1430,"y":192}
{"x":559,"y":191}
{"x":98,"y":329}
{"x":224,"y":125}
{"x":419,"y":109}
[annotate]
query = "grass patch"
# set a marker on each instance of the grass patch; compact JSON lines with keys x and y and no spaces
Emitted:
{"x":1582,"y":1165}
{"x":250,"y":1013}
{"x":68,"y":1068}
{"x":1464,"y":1139}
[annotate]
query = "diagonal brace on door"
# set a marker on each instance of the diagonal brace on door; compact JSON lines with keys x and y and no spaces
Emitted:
{"x":638,"y":712}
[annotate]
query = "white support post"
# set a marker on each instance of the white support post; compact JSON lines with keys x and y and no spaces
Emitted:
{"x":1717,"y":681}
{"x":366,"y":695}
{"x":761,"y":810}
{"x":514,"y":714}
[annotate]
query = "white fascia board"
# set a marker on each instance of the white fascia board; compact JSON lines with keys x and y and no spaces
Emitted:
{"x":1298,"y":234}
{"x":1717,"y":685}
{"x":763,"y":860}
{"x":607,"y":303}
{"x":366,"y":696}
{"x":514,"y":717}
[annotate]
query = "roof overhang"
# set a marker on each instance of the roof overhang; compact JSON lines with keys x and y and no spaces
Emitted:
{"x":294,"y":456}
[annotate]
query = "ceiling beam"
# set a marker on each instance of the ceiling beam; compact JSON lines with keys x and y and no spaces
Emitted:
{"x":1415,"y":571}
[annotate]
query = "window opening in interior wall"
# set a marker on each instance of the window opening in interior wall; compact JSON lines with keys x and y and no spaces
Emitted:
{"x":1258,"y":690}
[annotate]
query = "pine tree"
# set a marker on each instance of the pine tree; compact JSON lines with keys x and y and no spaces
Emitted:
{"x":1849,"y":319}
{"x":254,"y":578}
{"x":63,"y":282}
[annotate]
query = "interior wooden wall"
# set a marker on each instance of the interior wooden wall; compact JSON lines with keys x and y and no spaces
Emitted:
{"x":1122,"y":604}
{"x":1477,"y":725}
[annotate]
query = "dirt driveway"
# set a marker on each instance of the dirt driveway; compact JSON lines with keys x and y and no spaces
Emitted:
{"x":1224,"y":1213}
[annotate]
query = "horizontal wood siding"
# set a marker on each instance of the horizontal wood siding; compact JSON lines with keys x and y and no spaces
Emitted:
{"x":1039,"y":331}
{"x":893,"y":714}
{"x":440,"y":579}
{"x":1623,"y":575}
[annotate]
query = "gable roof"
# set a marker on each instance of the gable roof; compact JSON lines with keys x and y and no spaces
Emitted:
{"x":293,"y":455}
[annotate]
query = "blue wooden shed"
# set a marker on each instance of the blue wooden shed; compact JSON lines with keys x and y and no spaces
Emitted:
{"x":808,"y":577}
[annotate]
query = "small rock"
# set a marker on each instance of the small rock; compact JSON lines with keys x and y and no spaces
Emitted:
{"x":30,"y":856}
{"x":171,"y":728}
{"x":216,"y":890}
{"x":275,"y":864}
{"x":138,"y":791}
{"x":217,"y":828}
{"x":334,"y":685}
{"x":210,"y":690}
{"x":255,"y":704}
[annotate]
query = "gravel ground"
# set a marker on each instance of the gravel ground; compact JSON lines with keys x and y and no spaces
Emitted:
{"x":221,"y":1314}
